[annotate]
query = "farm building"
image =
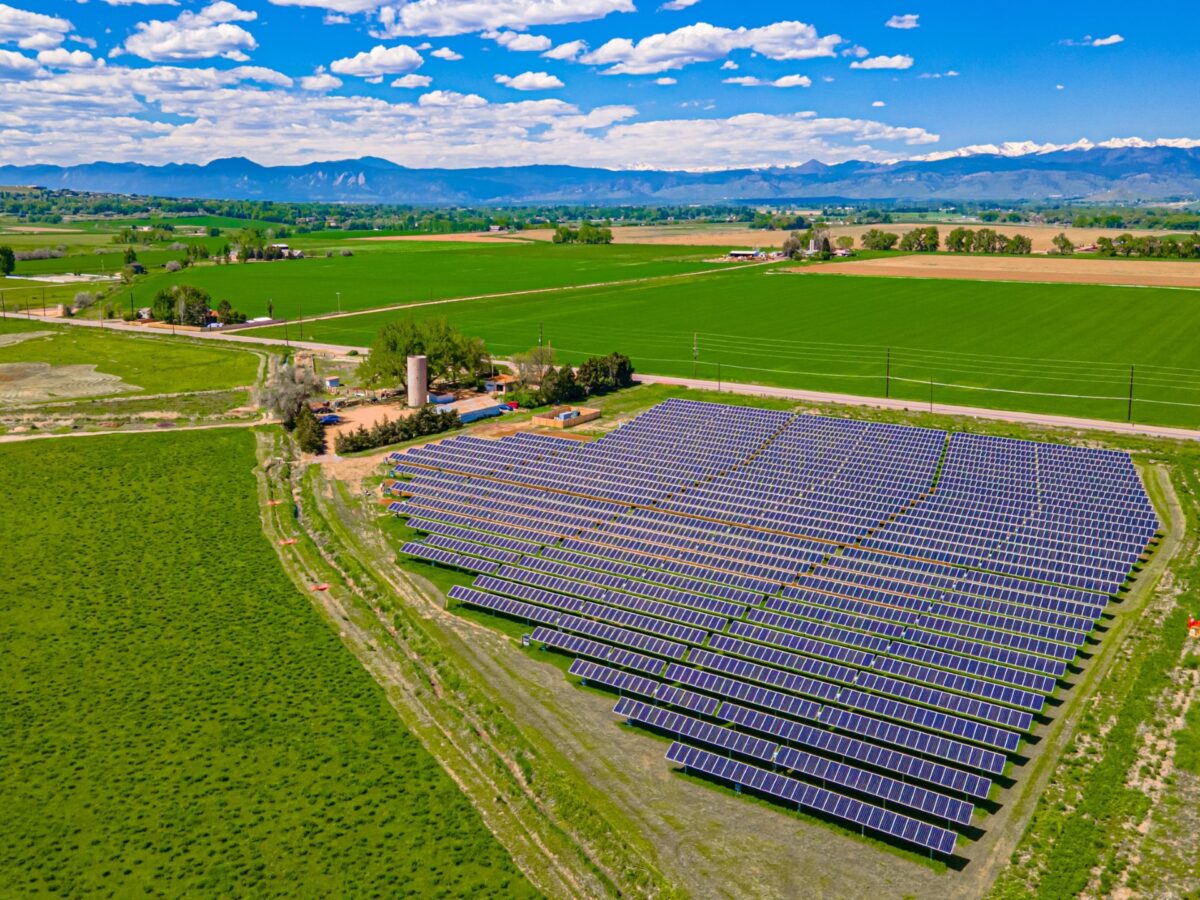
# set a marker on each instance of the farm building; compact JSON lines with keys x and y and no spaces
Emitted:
{"x":501,"y":384}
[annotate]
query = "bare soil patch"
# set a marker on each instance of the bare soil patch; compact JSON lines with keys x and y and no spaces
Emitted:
{"x":462,"y":237}
{"x":16,"y":337}
{"x":367,"y":415}
{"x":38,"y":382}
{"x":1042,"y":236}
{"x":1151,"y":273}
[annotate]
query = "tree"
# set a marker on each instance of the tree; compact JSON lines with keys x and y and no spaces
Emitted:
{"x":559,"y":386}
{"x":791,"y":246}
{"x":8,"y":260}
{"x":920,"y":240}
{"x":309,"y":432}
{"x":1018,"y":244}
{"x":286,"y":391}
{"x":130,"y":256}
{"x":182,"y":304}
{"x":564,"y":234}
{"x":449,"y":354}
{"x":533,"y":366}
{"x":270,"y":309}
{"x":845,"y":242}
{"x":874,"y":239}
{"x":600,"y":374}
{"x":960,"y":240}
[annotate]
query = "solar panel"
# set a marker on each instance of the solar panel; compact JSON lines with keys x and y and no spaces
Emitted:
{"x":815,"y":799}
{"x":800,"y":579}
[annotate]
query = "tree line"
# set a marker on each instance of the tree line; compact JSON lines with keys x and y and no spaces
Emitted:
{"x":425,"y":421}
{"x":586,"y":233}
{"x":958,"y":240}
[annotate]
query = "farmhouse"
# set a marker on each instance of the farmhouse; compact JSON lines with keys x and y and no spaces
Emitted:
{"x":501,"y":384}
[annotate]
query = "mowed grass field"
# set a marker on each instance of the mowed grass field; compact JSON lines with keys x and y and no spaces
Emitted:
{"x":175,"y":716}
{"x":385,"y":273}
{"x":155,"y":364}
{"x":1050,"y":348}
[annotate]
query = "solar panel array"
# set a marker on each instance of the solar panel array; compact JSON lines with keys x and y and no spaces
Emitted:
{"x":859,"y":618}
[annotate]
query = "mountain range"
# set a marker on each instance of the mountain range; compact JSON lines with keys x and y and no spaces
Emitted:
{"x":1094,"y":173}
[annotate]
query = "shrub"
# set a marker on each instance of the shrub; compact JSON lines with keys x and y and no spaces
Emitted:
{"x":173,"y":265}
{"x":347,"y":252}
{"x":424,"y":421}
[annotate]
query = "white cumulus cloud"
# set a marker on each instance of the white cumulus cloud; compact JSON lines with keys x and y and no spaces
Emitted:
{"x":194,"y":35}
{"x":14,"y":65}
{"x":787,"y":81}
{"x":447,"y":54}
{"x":666,"y":81}
{"x":344,"y":7}
{"x":142,"y":2}
{"x":441,"y":18}
{"x":569,"y":50}
{"x":878,"y":103}
{"x":320,"y":81}
{"x":1088,"y":41}
{"x":31,"y":30}
{"x":675,"y":5}
{"x":906,"y":21}
{"x":884,"y":62}
{"x":517,"y":40}
{"x":530,"y":81}
{"x":379,"y":61}
{"x":703,"y":42}
{"x":950,"y":73}
{"x":61,"y":58}
{"x":412,"y":81}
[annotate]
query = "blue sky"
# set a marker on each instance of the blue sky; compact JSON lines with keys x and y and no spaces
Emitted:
{"x":694,"y":84}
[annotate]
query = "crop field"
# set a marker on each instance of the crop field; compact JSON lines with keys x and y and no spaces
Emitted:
{"x":176,"y":716}
{"x":379,"y":274}
{"x":1066,"y":349}
{"x":153,"y":364}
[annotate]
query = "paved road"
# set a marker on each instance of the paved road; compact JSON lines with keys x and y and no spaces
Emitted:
{"x":758,"y":390}
{"x":755,"y":390}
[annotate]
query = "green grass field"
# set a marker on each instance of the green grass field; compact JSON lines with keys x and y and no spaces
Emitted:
{"x":176,"y":717}
{"x":383,"y":273}
{"x":155,"y":364}
{"x":982,"y":344}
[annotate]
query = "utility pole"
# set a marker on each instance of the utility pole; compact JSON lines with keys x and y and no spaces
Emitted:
{"x":695,"y":352}
{"x":931,"y":393}
{"x":286,"y":343}
{"x":1129,"y":415}
{"x":339,"y":296}
{"x":539,"y":335}
{"x":887,"y":377}
{"x":300,"y":313}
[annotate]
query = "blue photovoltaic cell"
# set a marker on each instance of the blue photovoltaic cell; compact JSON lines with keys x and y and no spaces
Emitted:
{"x":846,"y":747}
{"x":871,"y":630}
{"x":696,"y":730}
{"x":815,"y":799}
{"x":880,"y":787}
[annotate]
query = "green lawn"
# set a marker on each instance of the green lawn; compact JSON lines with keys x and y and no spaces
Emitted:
{"x":384,"y":273}
{"x":177,"y":719}
{"x":155,"y":364}
{"x":980,"y":343}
